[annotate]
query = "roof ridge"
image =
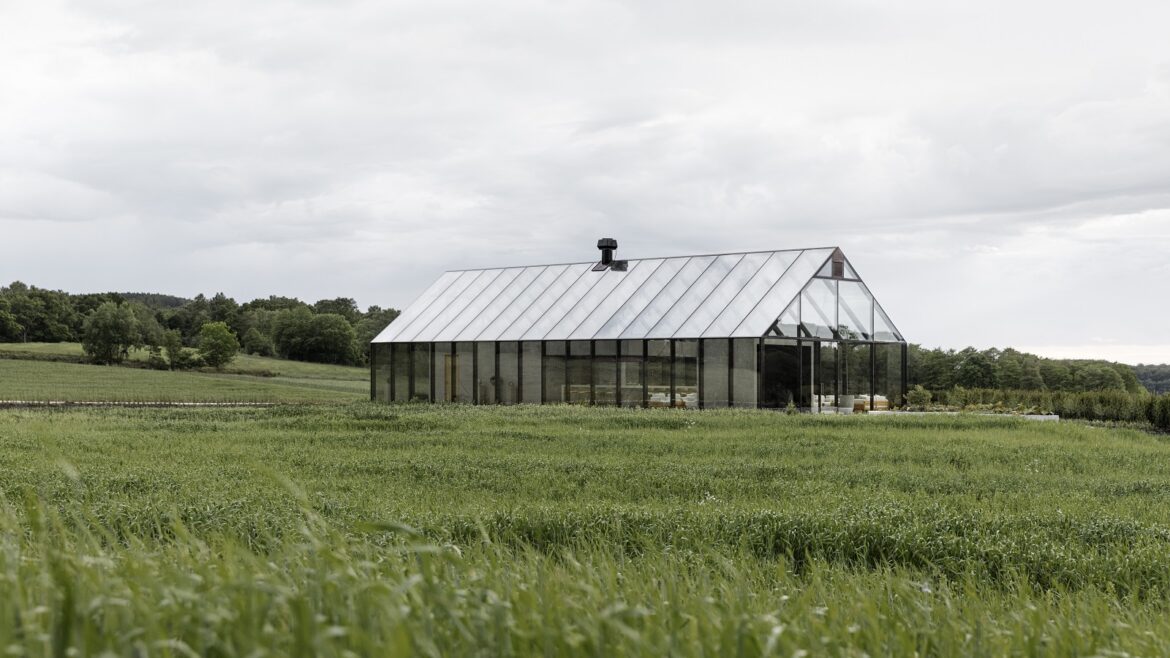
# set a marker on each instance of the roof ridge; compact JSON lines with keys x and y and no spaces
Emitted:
{"x":589,"y":262}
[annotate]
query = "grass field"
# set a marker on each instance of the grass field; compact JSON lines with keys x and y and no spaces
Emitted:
{"x":242,"y":364}
{"x":72,"y":382}
{"x":432,"y":530}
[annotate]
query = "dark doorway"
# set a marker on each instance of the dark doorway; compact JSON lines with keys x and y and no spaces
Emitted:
{"x":781,"y":373}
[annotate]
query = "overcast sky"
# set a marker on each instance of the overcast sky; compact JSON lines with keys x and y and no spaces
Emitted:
{"x":998,"y":172}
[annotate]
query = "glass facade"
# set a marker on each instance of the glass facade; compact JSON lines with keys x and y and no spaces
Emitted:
{"x":686,"y":374}
{"x":508,"y":377}
{"x":605,"y":372}
{"x":630,"y":378}
{"x":555,"y":374}
{"x":716,"y":373}
{"x":758,"y":330}
{"x":826,"y":376}
{"x":657,"y":373}
{"x":531,"y":373}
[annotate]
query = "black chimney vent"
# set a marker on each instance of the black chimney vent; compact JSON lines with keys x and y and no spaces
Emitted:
{"x":607,"y":246}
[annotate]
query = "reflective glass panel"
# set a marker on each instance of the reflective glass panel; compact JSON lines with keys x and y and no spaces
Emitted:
{"x":400,"y":365}
{"x":485,"y":372}
{"x":849,"y":273}
{"x":628,"y":314}
{"x":554,"y":372}
{"x":786,"y":289}
{"x":418,"y":306}
{"x":749,"y":296}
{"x":855,"y":377}
{"x":696,"y":296}
{"x":609,"y":307}
{"x":743,"y":373}
{"x":716,"y":372}
{"x":525,"y":297}
{"x":675,"y":293}
{"x":494,"y":299}
{"x":686,"y":373}
{"x":721,"y":296}
{"x":382,"y":371}
{"x":508,"y":378}
{"x":884,"y":329}
{"x":887,"y":376}
{"x":658,"y":373}
{"x":818,"y":308}
{"x":457,"y":308}
{"x":854,"y":311}
{"x":825,"y":377}
{"x":443,"y":360}
{"x":422,"y":372}
{"x":586,"y":309}
{"x":540,"y":306}
{"x":542,"y":328}
{"x":605,"y":372}
{"x":789,"y":322}
{"x":580,"y":371}
{"x":442,"y":301}
{"x":630,"y":376}
{"x":463,"y":372}
{"x":530,"y":366}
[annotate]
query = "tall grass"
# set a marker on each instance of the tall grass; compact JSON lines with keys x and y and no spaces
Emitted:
{"x":429,"y":530}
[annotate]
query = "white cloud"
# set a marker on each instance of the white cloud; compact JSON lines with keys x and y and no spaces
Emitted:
{"x":999,"y":172}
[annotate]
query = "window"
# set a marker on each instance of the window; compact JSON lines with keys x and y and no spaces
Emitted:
{"x":554,"y":371}
{"x":605,"y":367}
{"x":715,"y":372}
{"x":630,"y":375}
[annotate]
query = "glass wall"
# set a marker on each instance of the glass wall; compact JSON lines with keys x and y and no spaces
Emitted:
{"x":829,"y":376}
{"x":716,"y":370}
{"x":686,"y":374}
{"x":443,"y":364}
{"x":421,"y":357}
{"x":381,"y":355}
{"x":825,"y":377}
{"x":508,"y":379}
{"x":605,"y":373}
{"x":658,"y":373}
{"x":485,"y":373}
{"x":554,"y":371}
{"x":855,"y":377}
{"x":530,"y":368}
{"x":887,"y":382}
{"x":463,"y":372}
{"x":580,"y":371}
{"x":743,"y":372}
{"x":631,"y":373}
{"x":400,"y":365}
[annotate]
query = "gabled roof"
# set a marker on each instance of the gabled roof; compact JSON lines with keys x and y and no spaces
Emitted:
{"x":712,"y":296}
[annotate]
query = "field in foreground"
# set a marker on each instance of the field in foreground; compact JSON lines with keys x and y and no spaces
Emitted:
{"x":544,"y":531}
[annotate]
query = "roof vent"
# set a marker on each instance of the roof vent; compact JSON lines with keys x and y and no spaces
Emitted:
{"x":607,"y":247}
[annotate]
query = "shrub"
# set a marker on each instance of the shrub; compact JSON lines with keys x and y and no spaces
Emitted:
{"x":918,"y":397}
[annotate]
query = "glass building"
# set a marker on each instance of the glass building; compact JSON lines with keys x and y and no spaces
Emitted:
{"x":762,"y":329}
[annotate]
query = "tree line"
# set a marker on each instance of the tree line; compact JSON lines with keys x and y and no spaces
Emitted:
{"x":110,"y":324}
{"x":1009,"y":369}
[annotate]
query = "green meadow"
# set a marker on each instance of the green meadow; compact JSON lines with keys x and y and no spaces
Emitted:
{"x":28,"y":374}
{"x":361,"y":529}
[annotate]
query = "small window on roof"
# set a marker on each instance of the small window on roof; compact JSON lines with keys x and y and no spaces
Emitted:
{"x":838,"y":264}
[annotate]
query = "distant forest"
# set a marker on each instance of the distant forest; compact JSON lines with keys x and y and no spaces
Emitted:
{"x":1008,"y":369}
{"x":326,"y":331}
{"x":1155,"y":378}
